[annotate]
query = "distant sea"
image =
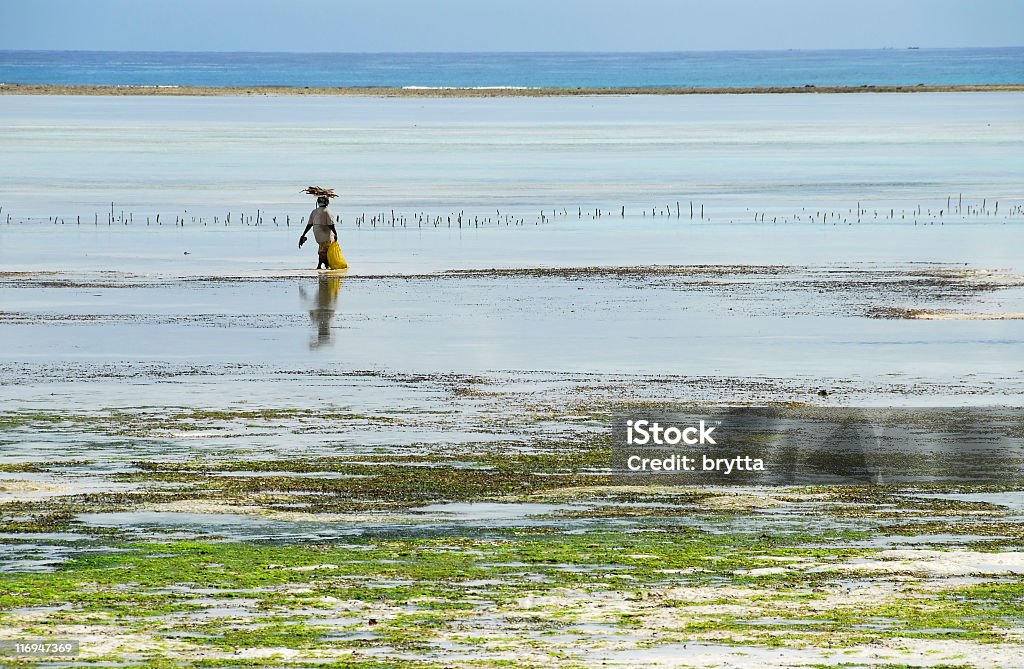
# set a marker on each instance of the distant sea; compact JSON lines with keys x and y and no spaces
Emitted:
{"x":902,"y":66}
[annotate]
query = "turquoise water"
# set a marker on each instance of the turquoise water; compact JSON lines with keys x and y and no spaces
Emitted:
{"x":698,"y":69}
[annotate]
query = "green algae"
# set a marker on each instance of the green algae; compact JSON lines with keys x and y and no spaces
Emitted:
{"x":412,"y":594}
{"x":145,"y":422}
{"x":46,"y":521}
{"x":428,"y":565}
{"x":1007,"y":531}
{"x":59,"y":513}
{"x":380,"y":481}
{"x":21,"y":467}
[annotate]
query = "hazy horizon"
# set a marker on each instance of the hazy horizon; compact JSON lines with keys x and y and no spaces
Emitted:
{"x":413,"y":53}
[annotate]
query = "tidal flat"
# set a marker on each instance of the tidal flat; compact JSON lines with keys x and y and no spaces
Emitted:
{"x":168,"y":503}
{"x":213,"y":456}
{"x":284,"y":537}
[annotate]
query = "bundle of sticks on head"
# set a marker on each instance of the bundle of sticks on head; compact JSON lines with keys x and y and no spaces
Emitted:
{"x":320,"y":192}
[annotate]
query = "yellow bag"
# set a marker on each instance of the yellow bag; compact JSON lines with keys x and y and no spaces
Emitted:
{"x":335,"y":258}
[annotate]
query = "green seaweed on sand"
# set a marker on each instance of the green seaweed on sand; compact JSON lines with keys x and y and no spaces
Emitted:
{"x":430,"y":564}
{"x":149,"y":421}
{"x":411,"y":594}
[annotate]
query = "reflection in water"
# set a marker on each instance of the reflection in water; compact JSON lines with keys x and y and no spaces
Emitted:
{"x":321,"y":308}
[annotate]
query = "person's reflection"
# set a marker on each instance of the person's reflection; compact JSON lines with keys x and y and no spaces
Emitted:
{"x":321,"y":308}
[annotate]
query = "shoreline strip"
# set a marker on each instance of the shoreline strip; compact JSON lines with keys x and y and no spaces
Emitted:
{"x":481,"y":92}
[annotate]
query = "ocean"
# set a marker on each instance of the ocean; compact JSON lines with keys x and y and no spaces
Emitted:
{"x":897,"y":66}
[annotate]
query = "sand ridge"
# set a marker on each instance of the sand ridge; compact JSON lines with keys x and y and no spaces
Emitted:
{"x":480,"y":92}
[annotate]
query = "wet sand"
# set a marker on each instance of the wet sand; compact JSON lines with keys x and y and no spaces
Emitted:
{"x":940,"y":315}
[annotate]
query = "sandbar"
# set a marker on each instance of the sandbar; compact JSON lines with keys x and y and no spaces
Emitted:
{"x":480,"y":92}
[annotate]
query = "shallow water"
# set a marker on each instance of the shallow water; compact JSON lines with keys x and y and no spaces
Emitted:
{"x":864,"y":190}
{"x":803,"y":321}
{"x":74,"y":156}
{"x":470,"y":519}
{"x":1013,"y":500}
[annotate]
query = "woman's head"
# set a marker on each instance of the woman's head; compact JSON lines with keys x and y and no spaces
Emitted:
{"x":322,"y":201}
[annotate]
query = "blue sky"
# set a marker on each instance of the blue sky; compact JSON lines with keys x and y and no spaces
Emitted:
{"x":506,"y":25}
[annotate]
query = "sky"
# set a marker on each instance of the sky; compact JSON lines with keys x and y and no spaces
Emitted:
{"x":505,"y":25}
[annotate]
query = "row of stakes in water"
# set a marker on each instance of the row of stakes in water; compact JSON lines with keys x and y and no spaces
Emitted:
{"x":918,"y":214}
